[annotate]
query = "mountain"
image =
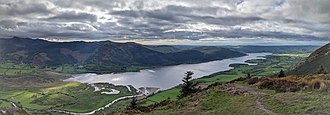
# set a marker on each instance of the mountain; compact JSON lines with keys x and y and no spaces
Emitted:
{"x":105,"y":55}
{"x":165,"y":48}
{"x":313,"y":62}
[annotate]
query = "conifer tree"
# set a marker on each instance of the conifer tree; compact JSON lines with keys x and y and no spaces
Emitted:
{"x":281,"y":74}
{"x":248,"y":75}
{"x":133,"y":103}
{"x":188,"y":86}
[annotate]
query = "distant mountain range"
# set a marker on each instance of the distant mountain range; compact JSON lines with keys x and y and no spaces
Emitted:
{"x":312,"y":64}
{"x":104,"y":55}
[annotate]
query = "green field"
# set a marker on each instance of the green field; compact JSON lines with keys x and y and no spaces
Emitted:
{"x":8,"y":68}
{"x":11,"y":69}
{"x":73,"y":97}
{"x":294,"y":55}
{"x":171,"y":94}
{"x":70,"y":69}
{"x":5,"y":104}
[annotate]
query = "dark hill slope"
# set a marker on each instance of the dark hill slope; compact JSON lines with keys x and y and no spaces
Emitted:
{"x":104,"y":55}
{"x":313,"y":62}
{"x":127,"y":53}
{"x":43,"y":53}
{"x":164,"y":48}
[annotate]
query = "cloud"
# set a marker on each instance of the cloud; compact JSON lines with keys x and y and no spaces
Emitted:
{"x":298,"y":20}
{"x":25,"y":8}
{"x":8,"y":24}
{"x":180,"y":14}
{"x":74,"y":16}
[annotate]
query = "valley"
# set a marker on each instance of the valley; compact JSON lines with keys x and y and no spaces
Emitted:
{"x":73,"y":88}
{"x":75,"y":97}
{"x":164,"y":57}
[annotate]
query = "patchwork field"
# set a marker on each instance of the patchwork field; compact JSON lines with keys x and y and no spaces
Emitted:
{"x":73,"y":97}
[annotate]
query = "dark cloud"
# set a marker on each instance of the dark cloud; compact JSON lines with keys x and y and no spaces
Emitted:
{"x":166,"y":19}
{"x":23,"y":8}
{"x":178,"y":14}
{"x":230,"y":20}
{"x":8,"y":24}
{"x":74,"y":16}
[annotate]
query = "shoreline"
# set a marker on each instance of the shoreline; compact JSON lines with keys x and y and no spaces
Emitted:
{"x":141,"y":78}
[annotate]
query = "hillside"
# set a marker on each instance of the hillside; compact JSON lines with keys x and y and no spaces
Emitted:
{"x":313,"y":62}
{"x":231,"y":92}
{"x":250,"y":96}
{"x":104,"y":56}
{"x":165,"y":48}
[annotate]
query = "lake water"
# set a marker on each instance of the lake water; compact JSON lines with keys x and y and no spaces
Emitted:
{"x":165,"y":77}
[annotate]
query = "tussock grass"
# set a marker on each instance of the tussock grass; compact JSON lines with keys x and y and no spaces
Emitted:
{"x":320,"y":82}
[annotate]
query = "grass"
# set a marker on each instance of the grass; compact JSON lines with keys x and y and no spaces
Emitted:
{"x":239,"y":71}
{"x":210,"y":102}
{"x":299,"y":102}
{"x":89,"y":100}
{"x":74,"y":97}
{"x":295,"y":55}
{"x":9,"y":68}
{"x":119,"y":106}
{"x":56,"y":99}
{"x":217,"y":102}
{"x":171,"y":94}
{"x":5,"y":104}
{"x":63,"y":88}
{"x":25,"y":99}
{"x":70,"y":69}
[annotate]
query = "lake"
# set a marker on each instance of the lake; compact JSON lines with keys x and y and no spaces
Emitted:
{"x":165,"y":77}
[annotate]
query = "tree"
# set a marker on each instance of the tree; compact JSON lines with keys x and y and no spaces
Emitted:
{"x":281,"y":74}
{"x":188,"y":86}
{"x":248,"y":75}
{"x":321,"y":70}
{"x":133,"y":103}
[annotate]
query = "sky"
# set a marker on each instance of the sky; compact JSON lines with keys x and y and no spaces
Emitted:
{"x":172,"y":22}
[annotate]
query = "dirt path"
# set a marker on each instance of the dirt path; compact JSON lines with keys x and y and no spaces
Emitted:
{"x":260,"y":106}
{"x":237,"y":89}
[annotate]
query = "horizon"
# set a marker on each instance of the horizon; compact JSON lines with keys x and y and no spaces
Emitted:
{"x":228,"y":22}
{"x":125,"y":41}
